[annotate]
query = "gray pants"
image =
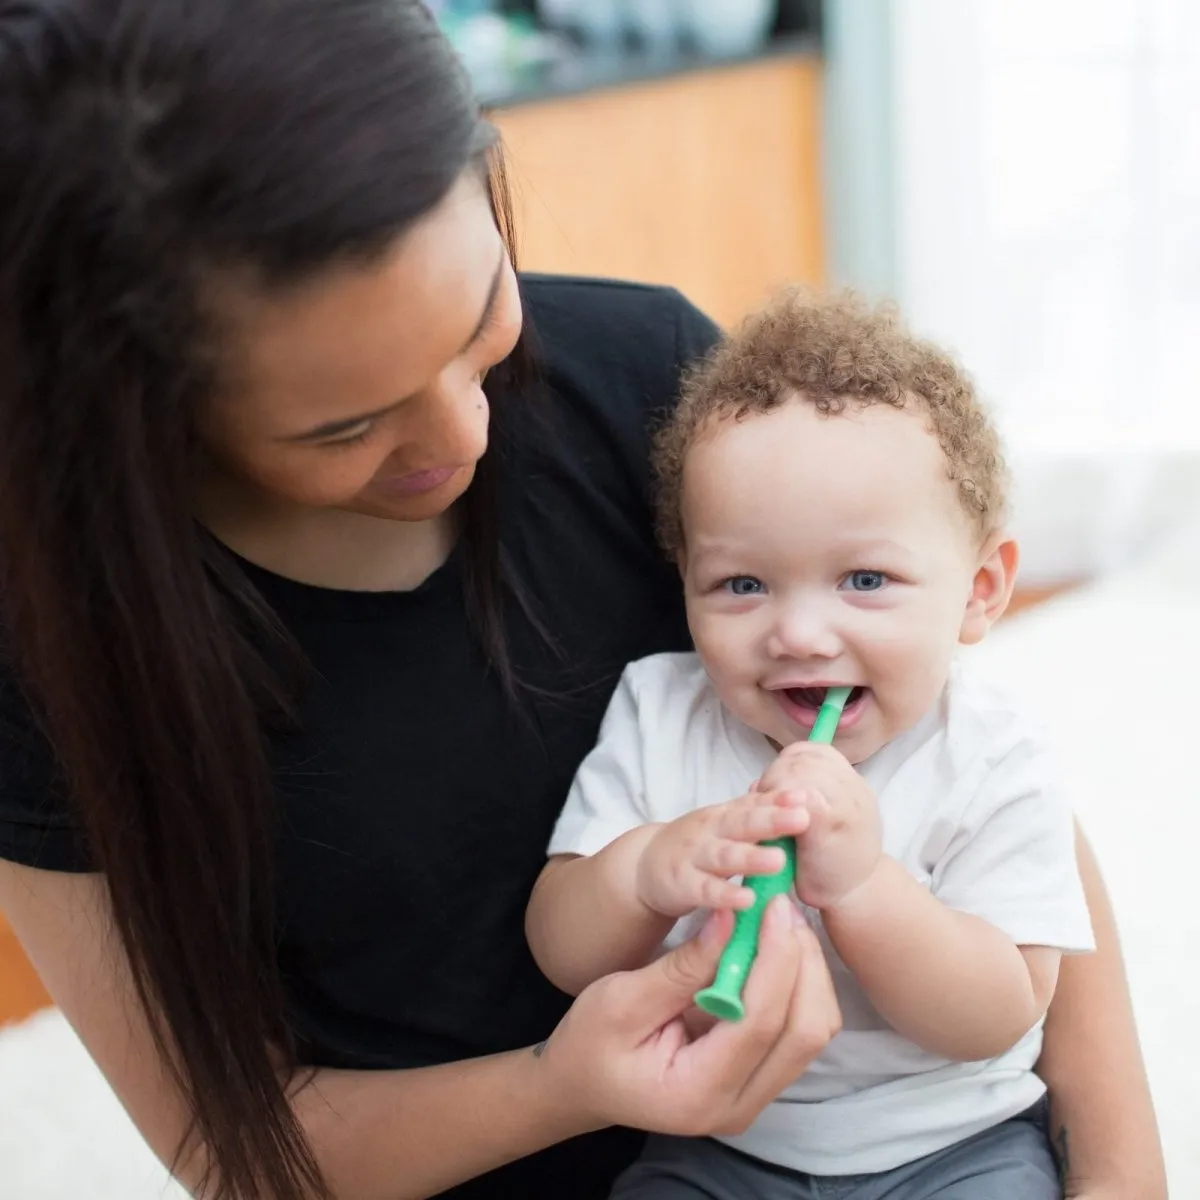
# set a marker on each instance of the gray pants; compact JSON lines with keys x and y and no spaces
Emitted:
{"x":1011,"y":1161}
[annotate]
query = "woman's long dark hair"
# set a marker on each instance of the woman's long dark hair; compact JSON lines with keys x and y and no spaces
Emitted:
{"x":145,"y":145}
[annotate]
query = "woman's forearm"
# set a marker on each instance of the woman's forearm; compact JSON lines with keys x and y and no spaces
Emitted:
{"x":584,"y":918}
{"x":377,"y":1135}
{"x":403,"y":1135}
{"x":1103,"y":1123}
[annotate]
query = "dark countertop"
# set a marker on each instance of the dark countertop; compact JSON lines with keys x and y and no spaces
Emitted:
{"x":594,"y":72}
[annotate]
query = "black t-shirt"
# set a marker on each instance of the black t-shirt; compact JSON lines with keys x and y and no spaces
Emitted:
{"x":417,"y":802}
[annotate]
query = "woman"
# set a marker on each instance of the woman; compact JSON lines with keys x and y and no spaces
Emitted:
{"x":296,"y":675}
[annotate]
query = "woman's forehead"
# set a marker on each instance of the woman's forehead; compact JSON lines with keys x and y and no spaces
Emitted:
{"x":363,"y":335}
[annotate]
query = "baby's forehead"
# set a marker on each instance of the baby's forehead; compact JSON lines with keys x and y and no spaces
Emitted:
{"x":860,"y":459}
{"x":852,"y":424}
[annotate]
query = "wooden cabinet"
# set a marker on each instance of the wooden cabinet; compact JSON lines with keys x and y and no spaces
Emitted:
{"x":21,"y":993}
{"x":709,"y":181}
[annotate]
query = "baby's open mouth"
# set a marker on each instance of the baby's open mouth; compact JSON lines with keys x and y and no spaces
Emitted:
{"x":814,"y":697}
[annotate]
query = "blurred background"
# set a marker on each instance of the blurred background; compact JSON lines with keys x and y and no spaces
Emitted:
{"x":1023,"y":177}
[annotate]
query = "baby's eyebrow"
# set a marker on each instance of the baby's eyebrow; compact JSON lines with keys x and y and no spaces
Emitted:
{"x":872,"y":544}
{"x":701,"y":544}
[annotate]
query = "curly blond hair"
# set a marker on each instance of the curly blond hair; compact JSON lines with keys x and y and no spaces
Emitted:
{"x":834,"y":350}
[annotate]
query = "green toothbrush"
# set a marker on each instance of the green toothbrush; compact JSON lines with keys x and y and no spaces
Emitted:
{"x":723,"y":997}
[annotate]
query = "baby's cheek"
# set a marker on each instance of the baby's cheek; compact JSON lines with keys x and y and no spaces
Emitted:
{"x":905,"y":694}
{"x":920,"y":691}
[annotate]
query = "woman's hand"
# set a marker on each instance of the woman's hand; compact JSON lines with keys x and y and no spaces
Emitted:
{"x":623,"y":1056}
{"x":688,"y":863}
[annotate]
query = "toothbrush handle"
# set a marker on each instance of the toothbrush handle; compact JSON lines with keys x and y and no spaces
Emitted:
{"x":723,"y":997}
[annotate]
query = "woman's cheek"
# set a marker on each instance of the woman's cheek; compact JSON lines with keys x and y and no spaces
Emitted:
{"x":319,"y":478}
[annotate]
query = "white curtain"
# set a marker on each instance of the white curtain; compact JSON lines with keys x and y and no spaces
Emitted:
{"x":1045,"y":209}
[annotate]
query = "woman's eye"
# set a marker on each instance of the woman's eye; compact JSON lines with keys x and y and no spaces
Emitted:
{"x":352,"y":437}
{"x":865,"y":581}
{"x":743,"y":585}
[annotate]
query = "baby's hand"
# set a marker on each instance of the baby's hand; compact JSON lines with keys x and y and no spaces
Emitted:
{"x":841,"y":846}
{"x":688,"y":863}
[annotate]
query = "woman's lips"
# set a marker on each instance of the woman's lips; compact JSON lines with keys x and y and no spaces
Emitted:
{"x":416,"y":483}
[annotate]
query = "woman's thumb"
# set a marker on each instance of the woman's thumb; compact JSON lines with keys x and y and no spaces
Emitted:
{"x":669,"y":983}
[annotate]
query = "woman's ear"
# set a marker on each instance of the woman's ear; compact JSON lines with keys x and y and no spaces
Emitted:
{"x":991,"y":588}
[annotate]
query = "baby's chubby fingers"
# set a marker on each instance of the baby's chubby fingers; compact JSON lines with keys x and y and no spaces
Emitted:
{"x":764,"y":815}
{"x":724,"y":858}
{"x":712,"y":892}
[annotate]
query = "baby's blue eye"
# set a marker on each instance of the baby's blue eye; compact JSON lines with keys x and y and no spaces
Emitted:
{"x":744,"y":585}
{"x":865,"y":581}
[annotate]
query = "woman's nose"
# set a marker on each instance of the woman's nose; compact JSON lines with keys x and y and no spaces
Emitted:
{"x":456,"y":421}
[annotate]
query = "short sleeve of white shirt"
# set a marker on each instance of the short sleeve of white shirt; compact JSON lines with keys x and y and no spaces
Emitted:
{"x":608,"y":795}
{"x":1011,"y":858}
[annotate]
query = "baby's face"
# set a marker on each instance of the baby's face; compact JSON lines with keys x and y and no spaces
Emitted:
{"x":825,"y":551}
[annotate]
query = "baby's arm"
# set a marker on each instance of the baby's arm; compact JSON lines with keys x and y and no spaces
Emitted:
{"x":585,"y":919}
{"x":590,"y":916}
{"x":949,"y":981}
{"x":621,"y":872}
{"x":964,"y":968}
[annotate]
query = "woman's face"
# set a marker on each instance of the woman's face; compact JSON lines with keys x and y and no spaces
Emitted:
{"x":360,"y":389}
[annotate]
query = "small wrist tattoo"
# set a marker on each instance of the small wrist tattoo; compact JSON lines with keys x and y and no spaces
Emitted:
{"x":540,"y":1049}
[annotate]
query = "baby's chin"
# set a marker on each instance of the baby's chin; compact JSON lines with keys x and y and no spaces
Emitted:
{"x":858,"y":743}
{"x":867,"y":739}
{"x":858,"y":749}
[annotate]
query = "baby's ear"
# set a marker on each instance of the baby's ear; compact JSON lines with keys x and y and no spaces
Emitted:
{"x":991,"y":588}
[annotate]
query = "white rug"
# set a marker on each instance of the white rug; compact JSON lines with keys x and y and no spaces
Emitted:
{"x":1115,"y":672}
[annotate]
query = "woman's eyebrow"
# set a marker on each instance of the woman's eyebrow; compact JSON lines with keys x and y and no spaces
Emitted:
{"x":342,"y":424}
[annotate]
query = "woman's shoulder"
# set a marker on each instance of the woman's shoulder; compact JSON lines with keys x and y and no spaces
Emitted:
{"x":616,"y":304}
{"x":615,"y":330}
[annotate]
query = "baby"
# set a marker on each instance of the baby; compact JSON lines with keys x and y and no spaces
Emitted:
{"x":834,"y":495}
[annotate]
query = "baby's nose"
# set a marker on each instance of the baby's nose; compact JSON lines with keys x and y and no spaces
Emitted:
{"x":802,"y":632}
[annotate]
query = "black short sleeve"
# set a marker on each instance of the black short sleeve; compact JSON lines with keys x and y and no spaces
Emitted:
{"x":37,"y":827}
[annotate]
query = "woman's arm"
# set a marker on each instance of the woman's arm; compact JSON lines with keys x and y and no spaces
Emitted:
{"x":376,"y":1134}
{"x":1103,"y":1124}
{"x":621,"y":1055}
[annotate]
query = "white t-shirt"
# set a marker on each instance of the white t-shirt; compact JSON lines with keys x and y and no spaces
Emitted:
{"x":970,"y":806}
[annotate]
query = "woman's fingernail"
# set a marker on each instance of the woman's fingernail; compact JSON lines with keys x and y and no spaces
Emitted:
{"x":777,"y":912}
{"x":710,"y":931}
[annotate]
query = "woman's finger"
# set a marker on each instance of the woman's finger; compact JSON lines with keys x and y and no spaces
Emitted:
{"x":659,"y":993}
{"x":813,"y":1019}
{"x":728,"y":1057}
